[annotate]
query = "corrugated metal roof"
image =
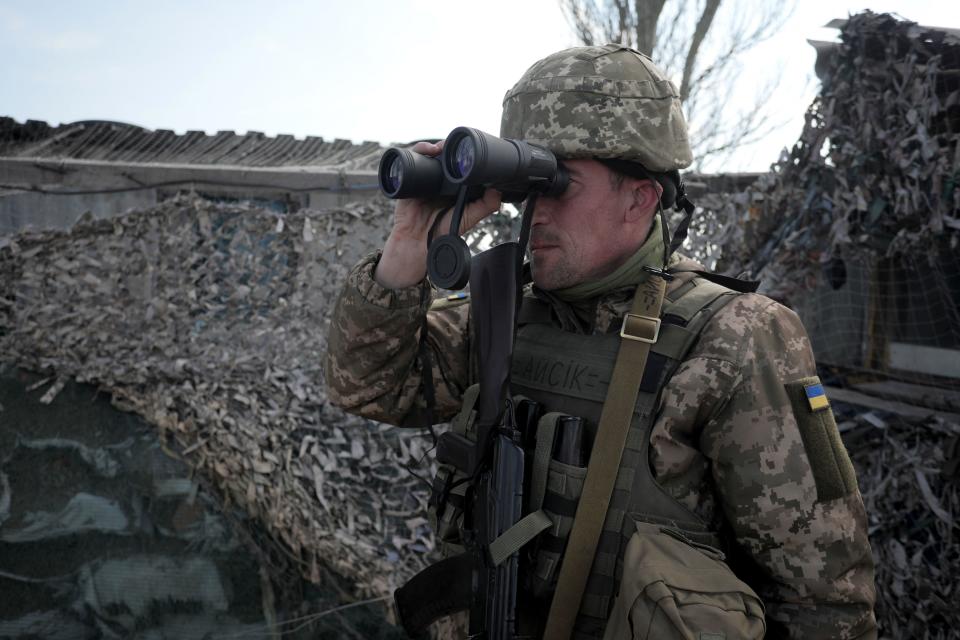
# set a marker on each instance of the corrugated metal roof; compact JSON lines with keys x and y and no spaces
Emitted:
{"x":121,"y":142}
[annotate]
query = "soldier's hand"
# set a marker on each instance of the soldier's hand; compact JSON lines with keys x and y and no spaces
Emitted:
{"x":404,"y":259}
{"x":413,"y":217}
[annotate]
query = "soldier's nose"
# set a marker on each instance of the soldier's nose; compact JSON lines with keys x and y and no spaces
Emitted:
{"x":541,"y":213}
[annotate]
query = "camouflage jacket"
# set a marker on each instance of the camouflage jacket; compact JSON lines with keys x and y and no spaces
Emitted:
{"x":725,"y":443}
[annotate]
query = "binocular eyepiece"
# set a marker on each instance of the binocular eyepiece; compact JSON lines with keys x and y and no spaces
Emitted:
{"x":473,"y":158}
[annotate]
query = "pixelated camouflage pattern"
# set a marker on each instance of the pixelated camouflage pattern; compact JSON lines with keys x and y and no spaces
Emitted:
{"x":372,"y":369}
{"x":599,"y":102}
{"x":725,"y":441}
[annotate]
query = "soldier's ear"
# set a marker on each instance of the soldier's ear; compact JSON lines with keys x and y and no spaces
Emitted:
{"x":644,"y":195}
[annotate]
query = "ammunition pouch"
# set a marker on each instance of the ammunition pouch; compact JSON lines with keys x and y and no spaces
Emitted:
{"x":675,"y":587}
{"x":450,"y":485}
{"x":564,"y":486}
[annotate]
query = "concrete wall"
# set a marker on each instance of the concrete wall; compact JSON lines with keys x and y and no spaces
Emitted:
{"x":26,"y":210}
{"x":277,"y":188}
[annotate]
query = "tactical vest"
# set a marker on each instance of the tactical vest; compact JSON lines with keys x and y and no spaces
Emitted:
{"x":570,"y":373}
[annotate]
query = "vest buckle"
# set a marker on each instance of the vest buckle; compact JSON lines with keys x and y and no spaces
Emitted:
{"x":640,"y":328}
{"x":663,"y":273}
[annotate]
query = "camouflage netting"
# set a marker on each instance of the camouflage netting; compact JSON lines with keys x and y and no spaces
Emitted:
{"x":909,"y":474}
{"x":210,"y":321}
{"x":875,"y":172}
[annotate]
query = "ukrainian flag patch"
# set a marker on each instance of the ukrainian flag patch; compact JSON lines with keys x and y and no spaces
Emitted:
{"x":816,"y":397}
{"x":832,"y":470}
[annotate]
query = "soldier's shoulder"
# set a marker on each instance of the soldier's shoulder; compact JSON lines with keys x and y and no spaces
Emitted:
{"x":750,"y":323}
{"x":751,"y":311}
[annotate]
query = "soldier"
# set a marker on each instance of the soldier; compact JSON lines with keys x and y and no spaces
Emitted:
{"x":732,"y":444}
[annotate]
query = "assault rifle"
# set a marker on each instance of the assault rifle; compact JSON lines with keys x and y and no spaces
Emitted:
{"x":474,"y":580}
{"x":498,"y":492}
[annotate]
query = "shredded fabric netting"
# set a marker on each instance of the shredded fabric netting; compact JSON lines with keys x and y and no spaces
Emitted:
{"x":211,"y":321}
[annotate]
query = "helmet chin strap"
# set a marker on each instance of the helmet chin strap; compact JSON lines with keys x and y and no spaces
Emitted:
{"x":667,"y":243}
{"x":671,"y":244}
{"x":682,"y":203}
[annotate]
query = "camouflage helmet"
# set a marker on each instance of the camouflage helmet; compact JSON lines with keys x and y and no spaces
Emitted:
{"x":599,"y":102}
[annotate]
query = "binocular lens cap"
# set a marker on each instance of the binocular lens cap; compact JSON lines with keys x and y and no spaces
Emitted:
{"x":448,"y":262}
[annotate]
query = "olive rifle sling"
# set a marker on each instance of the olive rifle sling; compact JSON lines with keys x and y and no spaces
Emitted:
{"x":640,"y":330}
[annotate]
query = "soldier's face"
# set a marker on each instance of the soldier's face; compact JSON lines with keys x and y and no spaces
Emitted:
{"x":588,"y":231}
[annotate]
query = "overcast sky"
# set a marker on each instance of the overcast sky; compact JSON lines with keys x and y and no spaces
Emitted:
{"x":358,"y":69}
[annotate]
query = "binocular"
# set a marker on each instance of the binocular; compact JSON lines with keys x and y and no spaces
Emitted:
{"x":473,"y":158}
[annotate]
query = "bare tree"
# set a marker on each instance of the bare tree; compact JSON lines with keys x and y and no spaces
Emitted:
{"x":701,"y":45}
